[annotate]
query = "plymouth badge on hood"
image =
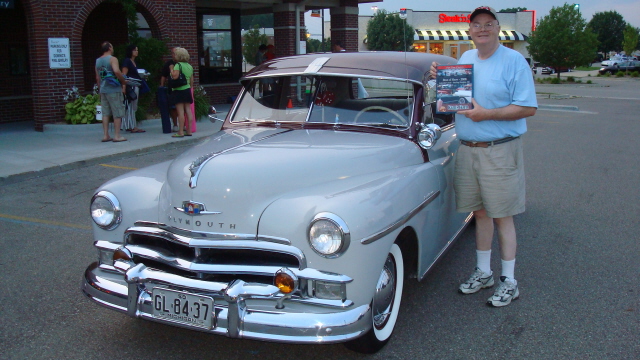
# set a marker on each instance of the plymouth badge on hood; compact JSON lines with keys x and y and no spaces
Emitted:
{"x":193,"y":208}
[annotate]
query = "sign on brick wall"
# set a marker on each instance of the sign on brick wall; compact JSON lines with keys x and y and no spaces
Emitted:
{"x":7,"y":4}
{"x":59,"y":54}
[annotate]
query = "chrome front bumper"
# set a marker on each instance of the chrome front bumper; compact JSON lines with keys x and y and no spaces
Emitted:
{"x":234,"y":316}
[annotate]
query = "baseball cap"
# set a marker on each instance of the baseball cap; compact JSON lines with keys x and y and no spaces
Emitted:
{"x":483,"y":10}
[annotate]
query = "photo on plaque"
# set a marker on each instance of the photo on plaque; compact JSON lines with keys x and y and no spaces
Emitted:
{"x":454,"y":88}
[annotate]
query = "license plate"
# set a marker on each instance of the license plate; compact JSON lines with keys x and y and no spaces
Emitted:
{"x":184,"y":308}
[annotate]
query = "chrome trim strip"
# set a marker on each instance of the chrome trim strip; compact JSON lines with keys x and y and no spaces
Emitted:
{"x":403,"y":220}
{"x":106,"y":245}
{"x":196,"y":166}
{"x":186,"y":265}
{"x":316,"y":65}
{"x":212,"y":235}
{"x":200,"y":213}
{"x":218,"y":244}
{"x":467,"y":220}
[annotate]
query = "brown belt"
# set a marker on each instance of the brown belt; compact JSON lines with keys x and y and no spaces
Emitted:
{"x":486,"y":144}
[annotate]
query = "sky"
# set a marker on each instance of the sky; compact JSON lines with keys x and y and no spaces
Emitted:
{"x":629,"y":9}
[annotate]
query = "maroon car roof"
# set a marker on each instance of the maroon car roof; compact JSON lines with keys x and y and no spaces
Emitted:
{"x":383,"y":64}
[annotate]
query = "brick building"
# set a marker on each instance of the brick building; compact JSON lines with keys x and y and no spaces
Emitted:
{"x":52,"y":44}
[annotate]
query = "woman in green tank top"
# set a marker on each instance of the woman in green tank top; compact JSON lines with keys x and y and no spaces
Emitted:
{"x":181,"y":96}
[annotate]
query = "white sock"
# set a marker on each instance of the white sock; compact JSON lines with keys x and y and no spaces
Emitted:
{"x":508,"y":268}
{"x":484,"y":261}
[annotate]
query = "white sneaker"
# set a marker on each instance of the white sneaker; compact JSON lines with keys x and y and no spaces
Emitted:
{"x":506,"y":291}
{"x":478,"y":280}
{"x":174,"y":129}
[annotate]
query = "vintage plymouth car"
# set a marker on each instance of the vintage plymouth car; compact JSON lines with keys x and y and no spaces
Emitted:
{"x":329,"y":185}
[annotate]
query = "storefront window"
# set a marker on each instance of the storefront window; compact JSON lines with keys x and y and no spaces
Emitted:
{"x":508,"y":44}
{"x":436,"y":48}
{"x":215,"y":44}
{"x":420,"y":47}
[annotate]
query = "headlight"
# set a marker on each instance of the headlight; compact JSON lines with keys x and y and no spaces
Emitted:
{"x":105,"y":210}
{"x":328,"y":235}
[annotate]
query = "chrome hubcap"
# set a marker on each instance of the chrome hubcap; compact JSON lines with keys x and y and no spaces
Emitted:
{"x":385,"y":294}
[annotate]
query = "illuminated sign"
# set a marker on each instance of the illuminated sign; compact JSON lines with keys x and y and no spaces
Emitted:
{"x":443,"y":18}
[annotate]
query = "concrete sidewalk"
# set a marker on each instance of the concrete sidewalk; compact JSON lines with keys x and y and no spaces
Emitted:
{"x":26,"y":153}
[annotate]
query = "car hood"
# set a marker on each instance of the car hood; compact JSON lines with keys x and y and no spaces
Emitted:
{"x":242,"y":171}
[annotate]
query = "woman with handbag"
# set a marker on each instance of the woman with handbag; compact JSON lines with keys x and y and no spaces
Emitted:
{"x":129,"y":69}
{"x":180,"y":82}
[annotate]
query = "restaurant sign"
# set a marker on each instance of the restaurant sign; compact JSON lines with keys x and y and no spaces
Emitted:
{"x":443,"y":18}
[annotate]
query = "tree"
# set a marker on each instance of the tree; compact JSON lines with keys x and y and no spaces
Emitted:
{"x":387,"y":32}
{"x":252,"y":40}
{"x":315,"y":45}
{"x":630,"y":42}
{"x":562,"y":40}
{"x":515,"y":9}
{"x":609,"y":27}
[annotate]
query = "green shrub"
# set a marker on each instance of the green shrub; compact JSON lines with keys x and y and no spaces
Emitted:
{"x":620,"y":74}
{"x":635,"y":74}
{"x":589,"y":82}
{"x":81,"y":109}
{"x":571,"y":79}
{"x":555,"y":80}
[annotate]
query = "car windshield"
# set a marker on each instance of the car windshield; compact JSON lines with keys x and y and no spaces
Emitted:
{"x":327,"y":99}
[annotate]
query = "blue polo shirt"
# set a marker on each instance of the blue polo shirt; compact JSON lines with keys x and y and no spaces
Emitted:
{"x":503,"y":79}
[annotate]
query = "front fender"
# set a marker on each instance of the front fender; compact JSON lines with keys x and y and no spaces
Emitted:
{"x":138,"y":193}
{"x":369,"y":205}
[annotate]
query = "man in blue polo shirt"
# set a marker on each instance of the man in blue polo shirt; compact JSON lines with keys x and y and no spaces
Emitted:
{"x":489,"y":171}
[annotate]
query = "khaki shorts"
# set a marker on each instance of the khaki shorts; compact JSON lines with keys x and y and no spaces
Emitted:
{"x":490,"y":178}
{"x":112,"y":104}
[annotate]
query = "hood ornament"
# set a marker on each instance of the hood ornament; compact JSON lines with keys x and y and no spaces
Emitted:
{"x":193,"y":208}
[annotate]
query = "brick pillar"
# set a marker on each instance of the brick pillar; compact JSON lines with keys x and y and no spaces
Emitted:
{"x":284,"y":29}
{"x":344,"y":24}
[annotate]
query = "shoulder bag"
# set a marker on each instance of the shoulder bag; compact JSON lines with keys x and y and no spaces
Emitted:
{"x":180,"y":81}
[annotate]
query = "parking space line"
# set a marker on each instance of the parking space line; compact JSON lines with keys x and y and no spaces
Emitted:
{"x":33,"y":221}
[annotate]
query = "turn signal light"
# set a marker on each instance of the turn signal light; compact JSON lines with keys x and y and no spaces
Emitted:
{"x":286,"y":281}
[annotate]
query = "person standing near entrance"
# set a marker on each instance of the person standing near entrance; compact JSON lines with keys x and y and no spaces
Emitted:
{"x":111,"y":85}
{"x":489,"y":171}
{"x":182,"y":96}
{"x":130,"y":69}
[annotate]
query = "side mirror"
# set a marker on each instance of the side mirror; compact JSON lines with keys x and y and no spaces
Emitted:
{"x":428,"y":135}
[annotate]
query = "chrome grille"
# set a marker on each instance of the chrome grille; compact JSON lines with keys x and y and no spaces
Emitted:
{"x":209,"y":254}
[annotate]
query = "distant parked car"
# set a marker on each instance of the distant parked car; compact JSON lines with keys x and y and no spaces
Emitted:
{"x":621,"y":66}
{"x":548,"y":70}
{"x":612,"y":61}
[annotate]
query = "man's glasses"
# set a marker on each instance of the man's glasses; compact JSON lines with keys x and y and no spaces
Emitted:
{"x":488,"y":26}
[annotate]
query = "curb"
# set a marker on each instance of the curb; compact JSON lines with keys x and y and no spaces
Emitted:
{"x":14,"y":178}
